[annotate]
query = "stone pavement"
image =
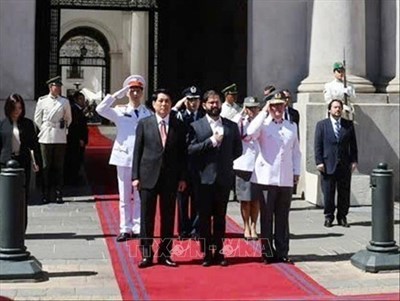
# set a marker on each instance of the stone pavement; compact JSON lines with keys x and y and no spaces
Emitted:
{"x":67,"y":239}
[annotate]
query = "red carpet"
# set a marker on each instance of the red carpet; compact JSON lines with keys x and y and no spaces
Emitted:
{"x":245,"y":279}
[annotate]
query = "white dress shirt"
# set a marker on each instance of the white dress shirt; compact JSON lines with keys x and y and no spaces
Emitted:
{"x":216,"y":127}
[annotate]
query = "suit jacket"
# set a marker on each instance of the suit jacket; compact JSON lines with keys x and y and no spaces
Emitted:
{"x":329,"y":151}
{"x":294,"y":115}
{"x":150,"y":156}
{"x":28,"y":138}
{"x":214,"y":164}
{"x":184,"y":116}
{"x":78,"y":129}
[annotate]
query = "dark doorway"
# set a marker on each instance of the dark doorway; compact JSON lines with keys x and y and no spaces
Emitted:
{"x":203,"y":43}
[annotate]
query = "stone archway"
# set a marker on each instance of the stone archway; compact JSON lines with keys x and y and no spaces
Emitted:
{"x":84,"y":60}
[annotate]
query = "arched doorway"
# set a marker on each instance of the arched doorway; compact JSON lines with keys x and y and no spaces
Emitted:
{"x":85,"y":62}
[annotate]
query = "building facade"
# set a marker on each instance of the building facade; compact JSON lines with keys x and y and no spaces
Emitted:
{"x":291,"y":44}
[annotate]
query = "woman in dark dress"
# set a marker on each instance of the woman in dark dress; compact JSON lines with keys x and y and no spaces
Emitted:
{"x":18,"y":139}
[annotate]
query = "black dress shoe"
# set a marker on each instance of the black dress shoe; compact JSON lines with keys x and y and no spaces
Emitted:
{"x":135,"y":235}
{"x":184,"y":236}
{"x":168,"y":262}
{"x":220,"y":260}
{"x":195,"y":236}
{"x":207,"y":261}
{"x":123,"y":236}
{"x":343,"y":222}
{"x":45,"y":200}
{"x":59,"y":200}
{"x":285,"y":259}
{"x":145,"y":263}
{"x":269,"y":259}
{"x":328,"y":223}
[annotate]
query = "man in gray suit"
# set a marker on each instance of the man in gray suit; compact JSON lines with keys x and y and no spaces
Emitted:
{"x":159,"y":169}
{"x":214,"y":143}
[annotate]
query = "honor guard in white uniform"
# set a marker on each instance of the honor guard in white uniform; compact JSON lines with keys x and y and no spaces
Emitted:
{"x":277,"y":169}
{"x":126,"y":118}
{"x":335,"y":89}
{"x":53,"y":116}
{"x":230,"y":108}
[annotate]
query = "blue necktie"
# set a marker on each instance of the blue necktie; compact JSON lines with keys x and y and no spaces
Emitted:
{"x":336,"y":129}
{"x":137,"y":112}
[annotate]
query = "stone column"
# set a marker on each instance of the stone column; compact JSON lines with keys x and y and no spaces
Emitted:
{"x":337,"y":25}
{"x":140,"y":44}
{"x":394,"y":84}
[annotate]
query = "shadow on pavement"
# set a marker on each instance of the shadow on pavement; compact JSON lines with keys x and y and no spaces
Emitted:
{"x":315,"y":257}
{"x":66,"y":235}
{"x":368,"y":223}
{"x":71,"y":274}
{"x":319,"y":235}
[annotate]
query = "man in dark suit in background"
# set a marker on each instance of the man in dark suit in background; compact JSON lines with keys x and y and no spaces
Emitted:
{"x":291,"y":114}
{"x":158,"y":169}
{"x":336,"y":156}
{"x":214,"y":144}
{"x":77,"y":139}
{"x":188,"y":110}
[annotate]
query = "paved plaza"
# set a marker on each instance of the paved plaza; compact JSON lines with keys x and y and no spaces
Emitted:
{"x":69,"y":242}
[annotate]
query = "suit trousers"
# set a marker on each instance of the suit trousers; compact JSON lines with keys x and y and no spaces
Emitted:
{"x":212,"y":211}
{"x":167,"y":200}
{"x":53,"y":168}
{"x":129,"y":208}
{"x":188,"y":209}
{"x":274,"y":218}
{"x":340,"y":180}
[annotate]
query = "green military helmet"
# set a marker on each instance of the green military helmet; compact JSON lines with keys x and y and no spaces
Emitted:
{"x":338,"y":66}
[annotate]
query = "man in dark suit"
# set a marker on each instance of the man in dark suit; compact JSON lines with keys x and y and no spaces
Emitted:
{"x":188,"y":110}
{"x":77,"y":139}
{"x":336,"y":156}
{"x":158,"y":169}
{"x":291,"y":114}
{"x":214,"y":144}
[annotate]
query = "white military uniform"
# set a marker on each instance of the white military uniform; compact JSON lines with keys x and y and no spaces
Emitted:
{"x":277,"y":162}
{"x":279,"y":154}
{"x":336,"y":90}
{"x":49,"y":112}
{"x":125,"y":119}
{"x":229,"y":111}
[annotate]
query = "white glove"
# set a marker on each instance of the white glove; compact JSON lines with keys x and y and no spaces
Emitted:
{"x":347,"y":91}
{"x":121,"y":93}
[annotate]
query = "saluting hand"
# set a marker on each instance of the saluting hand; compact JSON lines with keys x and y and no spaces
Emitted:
{"x":180,"y":102}
{"x":266,"y":107}
{"x":121,"y":93}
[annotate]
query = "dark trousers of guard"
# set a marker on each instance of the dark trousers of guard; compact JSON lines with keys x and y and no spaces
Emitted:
{"x":167,"y":199}
{"x":213,"y":200}
{"x":340,"y":180}
{"x":274,"y":219}
{"x":74,"y":157}
{"x":53,"y":170}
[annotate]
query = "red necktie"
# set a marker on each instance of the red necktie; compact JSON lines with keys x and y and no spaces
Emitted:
{"x":163,"y":132}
